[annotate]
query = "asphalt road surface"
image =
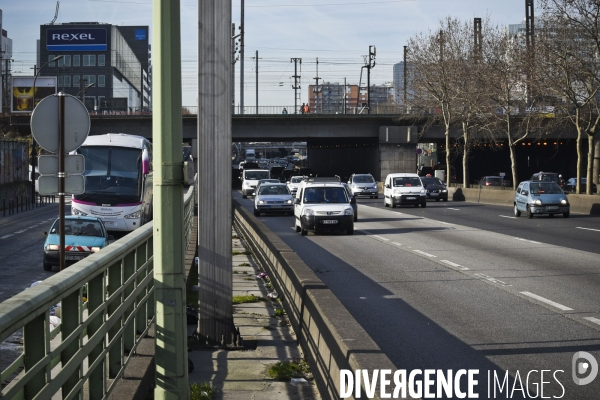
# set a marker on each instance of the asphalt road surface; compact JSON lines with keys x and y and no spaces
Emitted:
{"x":468,"y":286}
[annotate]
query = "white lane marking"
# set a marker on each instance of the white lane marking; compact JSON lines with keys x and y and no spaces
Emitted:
{"x":21,"y":231}
{"x":455,"y":209}
{"x":506,"y":216}
{"x":425,"y":254}
{"x":445,"y":223}
{"x":491,"y":279}
{"x":549,"y":302}
{"x":591,"y":319}
{"x":588,"y":229}
{"x":6,"y":236}
{"x":450,"y":263}
{"x":527,"y":240}
{"x":397,"y":244}
{"x":381,"y":238}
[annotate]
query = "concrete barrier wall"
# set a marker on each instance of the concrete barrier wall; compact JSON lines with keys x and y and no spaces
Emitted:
{"x":330,"y":337}
{"x":580,"y":203}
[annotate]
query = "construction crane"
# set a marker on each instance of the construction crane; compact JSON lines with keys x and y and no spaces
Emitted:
{"x":56,"y":13}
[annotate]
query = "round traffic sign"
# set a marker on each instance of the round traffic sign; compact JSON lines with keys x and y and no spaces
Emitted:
{"x":44,"y":123}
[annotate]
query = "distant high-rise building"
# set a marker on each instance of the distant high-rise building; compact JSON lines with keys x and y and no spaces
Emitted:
{"x":330,"y":98}
{"x":115,"y":59}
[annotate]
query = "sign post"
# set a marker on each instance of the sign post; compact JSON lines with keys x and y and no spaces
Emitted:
{"x":60,"y":132}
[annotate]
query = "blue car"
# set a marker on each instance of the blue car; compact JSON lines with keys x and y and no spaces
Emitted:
{"x":541,"y":197}
{"x":83,"y":236}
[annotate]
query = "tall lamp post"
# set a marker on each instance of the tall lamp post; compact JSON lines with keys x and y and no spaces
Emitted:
{"x":33,"y":144}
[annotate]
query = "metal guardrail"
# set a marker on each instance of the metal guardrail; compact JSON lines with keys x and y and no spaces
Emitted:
{"x":106,"y":307}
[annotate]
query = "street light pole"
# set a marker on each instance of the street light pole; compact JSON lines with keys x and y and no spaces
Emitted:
{"x":33,"y":143}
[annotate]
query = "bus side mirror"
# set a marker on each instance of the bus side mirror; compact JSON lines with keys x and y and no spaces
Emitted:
{"x":145,"y":162}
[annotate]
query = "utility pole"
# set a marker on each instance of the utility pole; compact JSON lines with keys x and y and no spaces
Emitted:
{"x":371,"y":64}
{"x":344,"y":95}
{"x":404,"y":99}
{"x":477,"y":39}
{"x":316,"y":78}
{"x":530,"y":44}
{"x":296,"y":84}
{"x":257,"y":81}
{"x":233,"y":61}
{"x":242,"y":60}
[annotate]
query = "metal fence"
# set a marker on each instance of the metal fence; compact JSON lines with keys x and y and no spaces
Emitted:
{"x":105,"y":304}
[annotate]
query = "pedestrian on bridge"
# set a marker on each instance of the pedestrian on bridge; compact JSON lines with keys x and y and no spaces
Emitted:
{"x":284,"y":110}
{"x":302,"y":109}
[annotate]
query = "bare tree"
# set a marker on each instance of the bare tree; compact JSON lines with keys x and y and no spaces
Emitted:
{"x":570,"y":42}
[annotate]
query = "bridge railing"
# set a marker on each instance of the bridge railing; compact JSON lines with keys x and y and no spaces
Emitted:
{"x":105,"y":303}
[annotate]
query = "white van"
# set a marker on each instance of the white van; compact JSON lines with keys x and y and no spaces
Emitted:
{"x":322,"y":205}
{"x":404,"y":189}
{"x":250,"y":178}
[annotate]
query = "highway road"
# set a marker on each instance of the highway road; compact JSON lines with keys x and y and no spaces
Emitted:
{"x":468,"y":286}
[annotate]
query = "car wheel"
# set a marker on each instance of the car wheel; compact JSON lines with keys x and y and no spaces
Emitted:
{"x":517,"y":212}
{"x":551,"y":215}
{"x":355,"y":217}
{"x":424,"y":204}
{"x":350,"y":231}
{"x":244,"y":196}
{"x":47,"y":267}
{"x":377,"y":196}
{"x":529,"y":213}
{"x":566,"y":215}
{"x":303,"y":232}
{"x":393,"y":205}
{"x":297,"y":227}
{"x":256,"y":212}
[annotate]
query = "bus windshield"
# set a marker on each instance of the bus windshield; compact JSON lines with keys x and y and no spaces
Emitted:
{"x":112,"y":174}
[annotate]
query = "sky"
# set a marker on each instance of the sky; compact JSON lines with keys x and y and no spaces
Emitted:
{"x":337,"y":32}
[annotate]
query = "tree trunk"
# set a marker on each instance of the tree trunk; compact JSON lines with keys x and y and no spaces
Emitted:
{"x":590,"y":165}
{"x":513,"y":164}
{"x":448,"y":173}
{"x":596,"y":170}
{"x":578,"y":146}
{"x":465,"y":155}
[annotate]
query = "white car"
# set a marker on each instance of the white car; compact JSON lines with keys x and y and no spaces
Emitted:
{"x":323,"y":205}
{"x":273,"y":198}
{"x":404,"y":189}
{"x":250,"y":178}
{"x":294,"y":183}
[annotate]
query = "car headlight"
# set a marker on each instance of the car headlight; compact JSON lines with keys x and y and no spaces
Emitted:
{"x":564,"y":202}
{"x":134,"y":215}
{"x":75,"y":211}
{"x":289,"y":201}
{"x":309,"y":211}
{"x":52,"y":247}
{"x":354,"y":186}
{"x":95,"y":249}
{"x":261,"y":202}
{"x":348,"y":211}
{"x":537,"y":202}
{"x":423,"y":191}
{"x":444,"y":190}
{"x":397,"y":191}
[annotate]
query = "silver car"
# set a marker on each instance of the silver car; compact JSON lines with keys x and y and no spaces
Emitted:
{"x":363,"y":185}
{"x":273,"y":198}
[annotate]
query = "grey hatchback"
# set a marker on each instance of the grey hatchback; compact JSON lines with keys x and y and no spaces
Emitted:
{"x":541,"y":197}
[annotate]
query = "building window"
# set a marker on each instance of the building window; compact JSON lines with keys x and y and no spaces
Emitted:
{"x":76,"y":60}
{"x":101,"y":102}
{"x":61,"y":62}
{"x":67,"y":81}
{"x":100,"y":80}
{"x":61,"y":81}
{"x":75,"y":80}
{"x":89,"y":60}
{"x":50,"y":58}
{"x":101,"y":60}
{"x":67,"y":61}
{"x":88,"y":79}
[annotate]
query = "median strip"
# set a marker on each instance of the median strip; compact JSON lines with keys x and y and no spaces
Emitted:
{"x":545,"y":300}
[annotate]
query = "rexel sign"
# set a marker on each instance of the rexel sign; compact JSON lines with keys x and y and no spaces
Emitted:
{"x":76,"y":39}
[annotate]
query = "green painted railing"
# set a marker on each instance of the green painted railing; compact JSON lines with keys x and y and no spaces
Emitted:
{"x":106,"y":307}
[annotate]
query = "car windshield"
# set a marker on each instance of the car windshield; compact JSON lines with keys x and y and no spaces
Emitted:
{"x":431,"y":181}
{"x":363,"y":179}
{"x":253,"y":175}
{"x":545,"y":188}
{"x":325,"y":195}
{"x":297,"y":179}
{"x":407,"y":181}
{"x":549,"y":177}
{"x":266,"y":190}
{"x":78,"y":228}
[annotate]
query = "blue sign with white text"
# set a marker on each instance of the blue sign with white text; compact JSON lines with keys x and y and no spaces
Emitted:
{"x":76,"y":39}
{"x":140,"y":34}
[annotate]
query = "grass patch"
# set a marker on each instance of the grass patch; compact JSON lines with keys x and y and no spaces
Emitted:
{"x":244,"y":265}
{"x":248,"y":279}
{"x":235,"y":237}
{"x":248,"y":298}
{"x":279,"y":312}
{"x":202,"y":391}
{"x":286,"y":370}
{"x":245,"y":253}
